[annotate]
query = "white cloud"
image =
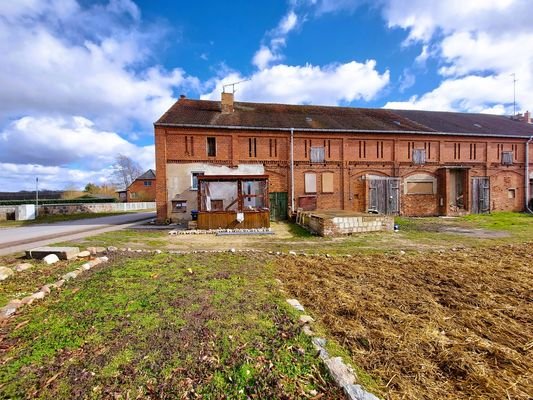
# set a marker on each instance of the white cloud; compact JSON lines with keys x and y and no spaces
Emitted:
{"x":288,"y":23}
{"x":22,"y":176}
{"x":269,"y":54}
{"x":63,"y":59}
{"x":61,"y":141}
{"x":478,"y":44}
{"x":62,"y":152}
{"x":264,"y":57}
{"x":471,"y":93}
{"x":331,"y":84}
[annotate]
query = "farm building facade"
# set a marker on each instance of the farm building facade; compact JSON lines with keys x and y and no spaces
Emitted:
{"x":416,"y":163}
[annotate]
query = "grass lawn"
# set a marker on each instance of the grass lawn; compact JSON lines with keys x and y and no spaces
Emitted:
{"x":48,"y":219}
{"x":146,"y":327}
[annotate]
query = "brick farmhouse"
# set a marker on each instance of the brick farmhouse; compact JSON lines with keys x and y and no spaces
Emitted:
{"x":143,"y":188}
{"x":416,"y":163}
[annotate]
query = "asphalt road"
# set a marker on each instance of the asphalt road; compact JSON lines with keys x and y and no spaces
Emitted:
{"x":13,"y":240}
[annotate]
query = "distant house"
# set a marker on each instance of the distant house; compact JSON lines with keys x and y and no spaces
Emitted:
{"x":141,"y":189}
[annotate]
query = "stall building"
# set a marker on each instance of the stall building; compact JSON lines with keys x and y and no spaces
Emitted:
{"x":417,"y":163}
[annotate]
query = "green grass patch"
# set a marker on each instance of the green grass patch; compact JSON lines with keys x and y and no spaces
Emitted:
{"x":147,"y":325}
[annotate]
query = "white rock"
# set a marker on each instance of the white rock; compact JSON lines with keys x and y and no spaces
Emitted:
{"x":356,"y":392}
{"x":45,"y":289}
{"x":84,"y":254}
{"x":340,"y":372}
{"x":305,"y":319}
{"x":292,"y":253}
{"x":111,"y":249}
{"x":51,"y":259}
{"x":296,"y":304}
{"x":86,"y":266}
{"x":307,"y":330}
{"x":38,"y":295}
{"x":70,"y":275}
{"x":402,"y":252}
{"x":157,"y":251}
{"x":23,"y":267}
{"x":104,"y":259}
{"x":5,"y":273}
{"x":232,"y":250}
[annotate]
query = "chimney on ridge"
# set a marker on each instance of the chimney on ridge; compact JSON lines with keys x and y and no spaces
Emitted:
{"x":527,"y":117}
{"x":226,"y":103}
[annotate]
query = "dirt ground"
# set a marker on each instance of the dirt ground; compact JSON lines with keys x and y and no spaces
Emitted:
{"x":447,"y":324}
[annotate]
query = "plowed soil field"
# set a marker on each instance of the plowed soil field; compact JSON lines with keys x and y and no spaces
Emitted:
{"x":432,"y":325}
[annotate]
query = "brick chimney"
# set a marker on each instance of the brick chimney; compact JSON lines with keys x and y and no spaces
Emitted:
{"x":527,"y":117}
{"x":226,"y":103}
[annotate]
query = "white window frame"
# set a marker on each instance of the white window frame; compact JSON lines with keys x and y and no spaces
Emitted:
{"x":192,"y":179}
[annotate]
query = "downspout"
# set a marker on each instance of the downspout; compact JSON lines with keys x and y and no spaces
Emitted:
{"x":292,"y":170}
{"x":526,"y":191}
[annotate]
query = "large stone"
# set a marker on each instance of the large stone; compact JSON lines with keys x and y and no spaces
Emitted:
{"x":10,"y":308}
{"x":340,"y":372}
{"x":84,"y":254}
{"x":296,"y":304}
{"x":63,"y":253}
{"x":306,"y":319}
{"x":96,"y":250}
{"x":51,"y":259}
{"x":356,"y":392}
{"x":70,"y":275}
{"x":5,"y":273}
{"x":23,"y":267}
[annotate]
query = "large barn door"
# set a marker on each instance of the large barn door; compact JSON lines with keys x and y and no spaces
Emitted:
{"x":480,"y":195}
{"x":384,"y":195}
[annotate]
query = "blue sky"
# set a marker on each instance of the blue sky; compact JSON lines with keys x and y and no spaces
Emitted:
{"x":84,"y":80}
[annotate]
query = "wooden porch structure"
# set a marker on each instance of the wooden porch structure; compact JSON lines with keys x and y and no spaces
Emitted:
{"x":233,"y":202}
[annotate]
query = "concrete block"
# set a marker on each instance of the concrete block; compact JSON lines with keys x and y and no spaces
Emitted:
{"x":63,"y":253}
{"x":25,"y":212}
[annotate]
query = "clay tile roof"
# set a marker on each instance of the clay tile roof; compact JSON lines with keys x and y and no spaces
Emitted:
{"x":187,"y":112}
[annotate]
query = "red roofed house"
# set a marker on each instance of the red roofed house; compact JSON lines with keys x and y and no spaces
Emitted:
{"x":289,"y":157}
{"x":143,"y":188}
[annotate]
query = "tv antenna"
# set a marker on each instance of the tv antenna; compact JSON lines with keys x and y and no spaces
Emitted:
{"x":232,"y":85}
{"x":514,"y":94}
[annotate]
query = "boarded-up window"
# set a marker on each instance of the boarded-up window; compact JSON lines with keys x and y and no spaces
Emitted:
{"x":507,"y":157}
{"x":420,"y":187}
{"x":419,"y":156}
{"x":327,"y":182}
{"x":317,"y":154}
{"x":420,"y":184}
{"x":310,"y":182}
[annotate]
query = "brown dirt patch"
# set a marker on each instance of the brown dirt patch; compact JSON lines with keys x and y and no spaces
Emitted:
{"x":452,"y":325}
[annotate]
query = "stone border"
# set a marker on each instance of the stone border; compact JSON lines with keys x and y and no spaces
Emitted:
{"x":177,"y":232}
{"x":14,"y":305}
{"x":343,"y":375}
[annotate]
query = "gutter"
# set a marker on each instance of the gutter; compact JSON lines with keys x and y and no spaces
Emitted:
{"x":526,"y":179}
{"x":292,"y":170}
{"x":261,"y":128}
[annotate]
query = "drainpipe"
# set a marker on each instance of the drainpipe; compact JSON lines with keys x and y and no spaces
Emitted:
{"x":292,"y":170}
{"x":527,"y":176}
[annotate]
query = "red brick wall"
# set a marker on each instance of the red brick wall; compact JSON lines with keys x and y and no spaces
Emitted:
{"x":141,"y":192}
{"x":386,"y":155}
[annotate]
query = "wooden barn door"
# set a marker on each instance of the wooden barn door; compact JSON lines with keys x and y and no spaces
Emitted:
{"x":480,"y":195}
{"x":384,"y":195}
{"x":278,"y":206}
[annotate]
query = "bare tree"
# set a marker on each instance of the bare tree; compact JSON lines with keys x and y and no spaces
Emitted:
{"x":125,"y":170}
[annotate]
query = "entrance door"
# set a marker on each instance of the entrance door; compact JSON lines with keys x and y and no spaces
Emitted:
{"x":384,"y":195}
{"x":278,"y":206}
{"x":480,"y":195}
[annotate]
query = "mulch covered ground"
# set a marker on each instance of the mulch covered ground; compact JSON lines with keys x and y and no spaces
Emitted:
{"x":454,"y":325}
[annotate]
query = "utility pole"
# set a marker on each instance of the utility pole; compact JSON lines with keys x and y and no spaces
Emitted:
{"x":36,"y":197}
